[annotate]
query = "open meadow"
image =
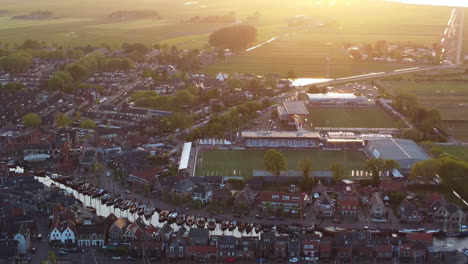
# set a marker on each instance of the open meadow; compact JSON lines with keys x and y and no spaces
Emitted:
{"x":302,"y":49}
{"x":242,"y":163}
{"x":363,"y":117}
{"x":450,"y":98}
{"x":457,"y":151}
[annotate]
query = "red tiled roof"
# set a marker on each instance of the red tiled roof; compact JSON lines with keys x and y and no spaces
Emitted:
{"x":384,"y":248}
{"x":267,"y":197}
{"x":148,"y":174}
{"x":202,"y":249}
{"x":420,"y":237}
{"x":348,"y":202}
{"x":391,"y":185}
{"x":325,"y":247}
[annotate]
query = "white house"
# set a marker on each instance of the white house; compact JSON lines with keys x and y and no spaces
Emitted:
{"x":221,"y":76}
{"x":203,"y":193}
{"x":63,"y":232}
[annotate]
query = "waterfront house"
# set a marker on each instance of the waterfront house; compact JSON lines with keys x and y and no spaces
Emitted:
{"x":246,"y":247}
{"x":91,"y":235}
{"x":348,"y":206}
{"x":117,"y":229}
{"x":325,"y":206}
{"x":198,"y":237}
{"x":409,"y":212}
{"x":226,"y":247}
{"x":244,"y":201}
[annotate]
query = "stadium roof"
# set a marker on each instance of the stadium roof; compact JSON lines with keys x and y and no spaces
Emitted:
{"x":295,"y":108}
{"x":398,"y":149}
{"x":184,"y":159}
{"x":279,"y":134}
{"x":331,"y":96}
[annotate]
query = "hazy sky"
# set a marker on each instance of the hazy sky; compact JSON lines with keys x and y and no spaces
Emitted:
{"x":437,"y":2}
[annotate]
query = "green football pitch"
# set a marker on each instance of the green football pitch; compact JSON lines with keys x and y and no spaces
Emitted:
{"x":242,"y":163}
{"x":363,"y":117}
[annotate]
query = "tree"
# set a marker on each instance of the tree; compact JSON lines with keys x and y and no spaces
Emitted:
{"x":98,"y":168}
{"x":390,"y":165}
{"x":63,"y":120}
{"x":425,"y":168}
{"x":306,"y":167}
{"x":274,"y":162}
{"x":291,"y":75}
{"x":55,"y":83}
{"x":396,"y":197}
{"x":184,"y":98}
{"x":235,"y":38}
{"x":407,"y":104}
{"x":338,"y":171}
{"x":88,"y":124}
{"x":31,"y":44}
{"x":375,"y":166}
{"x":31,"y":120}
{"x":16,"y":63}
{"x":50,"y":259}
{"x":412,"y":134}
{"x":436,"y":152}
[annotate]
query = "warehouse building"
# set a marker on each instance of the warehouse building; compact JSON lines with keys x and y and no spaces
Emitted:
{"x":293,"y":113}
{"x":405,"y":152}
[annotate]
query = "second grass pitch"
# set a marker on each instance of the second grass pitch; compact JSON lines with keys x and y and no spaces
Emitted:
{"x":362,"y":117}
{"x":242,"y":163}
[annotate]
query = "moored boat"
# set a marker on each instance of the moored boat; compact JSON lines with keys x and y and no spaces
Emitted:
{"x":258,"y":228}
{"x":133,"y":207}
{"x":141,"y":209}
{"x":241,"y":226}
{"x":171,"y":218}
{"x":201,"y":222}
{"x":224,"y":225}
{"x":149,"y":211}
{"x":190,"y":220}
{"x":232,"y":225}
{"x":105,"y":197}
{"x":211,"y":224}
{"x":180,"y":219}
{"x":163,"y":216}
{"x":248,"y":228}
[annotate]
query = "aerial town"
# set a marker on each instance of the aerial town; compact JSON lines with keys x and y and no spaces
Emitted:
{"x":136,"y":154}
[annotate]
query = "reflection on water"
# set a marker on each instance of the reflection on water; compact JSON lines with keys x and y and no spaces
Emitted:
{"x":307,"y":81}
{"x":104,"y":210}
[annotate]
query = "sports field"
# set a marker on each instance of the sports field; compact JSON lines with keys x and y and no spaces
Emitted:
{"x":450,"y":98}
{"x":86,"y":21}
{"x":457,"y":151}
{"x":243,"y":162}
{"x":365,"y":117}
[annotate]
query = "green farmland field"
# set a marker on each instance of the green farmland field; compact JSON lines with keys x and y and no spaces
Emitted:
{"x":365,"y":117}
{"x":457,"y":151}
{"x":86,"y":22}
{"x":243,"y":162}
{"x":450,"y":98}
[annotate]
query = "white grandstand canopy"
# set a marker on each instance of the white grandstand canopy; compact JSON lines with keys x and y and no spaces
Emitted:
{"x":184,"y":159}
{"x":322,"y":96}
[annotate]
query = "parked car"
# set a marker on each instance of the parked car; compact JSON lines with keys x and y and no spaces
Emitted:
{"x":116,"y":258}
{"x":62,"y":253}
